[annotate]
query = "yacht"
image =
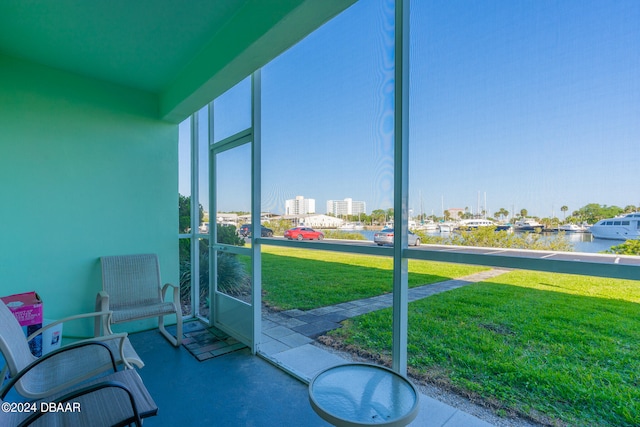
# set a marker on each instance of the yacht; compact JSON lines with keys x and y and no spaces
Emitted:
{"x":528,"y":224}
{"x":351,"y":226}
{"x":447,"y":227}
{"x":428,"y":226}
{"x":621,"y":228}
{"x":573,"y":228}
{"x":476,"y":223}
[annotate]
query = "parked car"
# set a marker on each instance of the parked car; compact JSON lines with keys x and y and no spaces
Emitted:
{"x":301,"y":233}
{"x":245,"y":231}
{"x":265,"y":232}
{"x":385,"y":237}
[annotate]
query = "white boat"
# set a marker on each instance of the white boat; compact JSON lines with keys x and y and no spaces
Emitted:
{"x":351,"y":226}
{"x":447,"y":227}
{"x":528,"y":224}
{"x":476,"y":223}
{"x":573,"y":228}
{"x":621,"y":228}
{"x":428,"y":226}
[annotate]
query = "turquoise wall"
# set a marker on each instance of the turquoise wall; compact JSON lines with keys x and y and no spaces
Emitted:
{"x":86,"y":169}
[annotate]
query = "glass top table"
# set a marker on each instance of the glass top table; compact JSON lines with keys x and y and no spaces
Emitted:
{"x":360,"y":394}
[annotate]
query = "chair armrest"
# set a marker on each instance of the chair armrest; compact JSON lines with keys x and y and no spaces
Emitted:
{"x":121,"y":347}
{"x":58,"y":354}
{"x":102,"y":304}
{"x":106,"y":318}
{"x":176,"y":293}
{"x":102,"y":301}
{"x":122,"y":337}
{"x":106,"y":315}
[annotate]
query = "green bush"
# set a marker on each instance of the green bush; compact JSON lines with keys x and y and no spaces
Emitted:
{"x":232,"y":277}
{"x":336,"y":234}
{"x":278,"y":226}
{"x":490,"y":238}
{"x":185,"y":269}
{"x":228,"y":235}
{"x":430,"y":239}
{"x":630,"y":247}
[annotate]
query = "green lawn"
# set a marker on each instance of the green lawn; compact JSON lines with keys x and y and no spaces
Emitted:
{"x":558,"y":348}
{"x":306,"y":279}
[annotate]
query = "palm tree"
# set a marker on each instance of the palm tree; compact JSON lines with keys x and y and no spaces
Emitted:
{"x":503,"y":213}
{"x":564,"y":210}
{"x":523,"y":213}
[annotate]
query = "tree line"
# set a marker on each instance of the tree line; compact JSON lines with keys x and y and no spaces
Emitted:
{"x":589,"y":214}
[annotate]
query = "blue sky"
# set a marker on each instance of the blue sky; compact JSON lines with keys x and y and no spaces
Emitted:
{"x":534,"y":103}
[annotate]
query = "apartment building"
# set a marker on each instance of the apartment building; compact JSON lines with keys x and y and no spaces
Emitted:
{"x":299,"y":206}
{"x":345,"y":207}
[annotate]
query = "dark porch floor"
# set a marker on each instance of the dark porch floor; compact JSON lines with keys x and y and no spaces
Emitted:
{"x":236,"y":389}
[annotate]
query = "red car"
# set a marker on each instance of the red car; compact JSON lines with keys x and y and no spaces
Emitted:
{"x":301,"y":233}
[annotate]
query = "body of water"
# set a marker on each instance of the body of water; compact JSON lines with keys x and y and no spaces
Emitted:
{"x":582,"y":242}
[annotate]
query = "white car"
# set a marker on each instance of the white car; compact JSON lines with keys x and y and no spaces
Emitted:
{"x":385,"y":237}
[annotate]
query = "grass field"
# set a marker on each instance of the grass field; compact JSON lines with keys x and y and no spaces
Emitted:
{"x":306,"y":279}
{"x":559,"y":349}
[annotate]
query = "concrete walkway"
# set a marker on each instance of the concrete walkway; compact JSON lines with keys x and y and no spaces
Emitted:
{"x":287,"y":339}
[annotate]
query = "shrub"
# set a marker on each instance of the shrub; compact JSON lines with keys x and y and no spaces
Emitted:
{"x":232,"y":277}
{"x":278,"y":226}
{"x":336,"y":234}
{"x":185,"y":270}
{"x":630,"y":247}
{"x":228,"y":235}
{"x":490,"y":238}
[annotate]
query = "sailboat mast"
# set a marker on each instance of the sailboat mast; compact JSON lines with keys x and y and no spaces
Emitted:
{"x":485,"y":205}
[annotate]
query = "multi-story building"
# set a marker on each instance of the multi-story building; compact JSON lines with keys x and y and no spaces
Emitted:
{"x":345,"y":207}
{"x":299,"y":206}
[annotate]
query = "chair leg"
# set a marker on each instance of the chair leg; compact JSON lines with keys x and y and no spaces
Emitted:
{"x":179,"y":328}
{"x":176,"y":341}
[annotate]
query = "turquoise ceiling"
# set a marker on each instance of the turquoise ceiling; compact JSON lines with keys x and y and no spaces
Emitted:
{"x":185,"y":51}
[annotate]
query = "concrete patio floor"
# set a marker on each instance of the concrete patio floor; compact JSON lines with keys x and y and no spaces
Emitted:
{"x":240,"y":389}
{"x":213,"y":379}
{"x":236,"y":389}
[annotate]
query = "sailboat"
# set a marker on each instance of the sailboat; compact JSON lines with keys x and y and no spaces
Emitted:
{"x":352,"y":225}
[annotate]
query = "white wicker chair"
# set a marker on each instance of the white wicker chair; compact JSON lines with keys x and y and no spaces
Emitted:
{"x":38,"y":383}
{"x":131,"y":290}
{"x":119,"y":398}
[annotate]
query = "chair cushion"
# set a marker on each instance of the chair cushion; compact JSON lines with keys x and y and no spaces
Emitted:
{"x":105,"y":407}
{"x":125,"y":314}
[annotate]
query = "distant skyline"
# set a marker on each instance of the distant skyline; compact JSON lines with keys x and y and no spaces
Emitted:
{"x":535,"y":104}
